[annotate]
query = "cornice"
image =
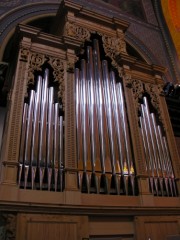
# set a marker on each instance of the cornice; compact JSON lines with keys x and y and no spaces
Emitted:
{"x":89,"y":210}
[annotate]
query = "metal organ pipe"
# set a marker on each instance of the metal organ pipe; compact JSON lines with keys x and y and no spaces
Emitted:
{"x":43,"y":145}
{"x":155,"y":145}
{"x":101,"y":122}
{"x":99,"y":98}
{"x":92,"y":109}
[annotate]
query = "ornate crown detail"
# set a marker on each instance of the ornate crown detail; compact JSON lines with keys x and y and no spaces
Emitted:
{"x":75,"y":31}
{"x":113,"y":46}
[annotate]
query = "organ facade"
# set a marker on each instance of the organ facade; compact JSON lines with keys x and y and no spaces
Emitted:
{"x":88,"y":149}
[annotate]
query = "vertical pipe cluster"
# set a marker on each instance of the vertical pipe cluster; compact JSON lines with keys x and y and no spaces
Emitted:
{"x":41,"y":148}
{"x":103,"y":141}
{"x":158,"y":161}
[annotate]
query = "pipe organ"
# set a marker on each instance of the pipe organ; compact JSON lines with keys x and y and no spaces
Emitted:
{"x":88,"y":150}
{"x":105,"y":159}
{"x":41,"y":157}
{"x":158,"y":161}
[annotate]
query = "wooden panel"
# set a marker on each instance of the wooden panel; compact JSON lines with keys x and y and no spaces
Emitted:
{"x":111,"y":228}
{"x":48,"y":231}
{"x":156,"y":227}
{"x":40,"y":227}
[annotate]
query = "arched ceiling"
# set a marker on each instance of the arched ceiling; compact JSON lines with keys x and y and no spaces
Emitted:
{"x":171,"y":11}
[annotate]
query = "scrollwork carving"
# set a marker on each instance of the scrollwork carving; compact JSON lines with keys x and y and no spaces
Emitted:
{"x":36,"y":61}
{"x":138,"y":90}
{"x":154,"y":91}
{"x":113,"y":46}
{"x":78,"y":32}
{"x":58,"y":73}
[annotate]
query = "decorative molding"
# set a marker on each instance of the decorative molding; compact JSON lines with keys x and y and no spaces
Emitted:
{"x":138,"y":90}
{"x":35,"y":64}
{"x":58,"y":73}
{"x":153,"y":91}
{"x":113,"y":46}
{"x":75,"y":31}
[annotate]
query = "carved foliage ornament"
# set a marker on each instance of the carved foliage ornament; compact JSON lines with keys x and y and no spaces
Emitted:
{"x":154,"y":91}
{"x":113,"y":46}
{"x":58,"y":74}
{"x":139,"y":88}
{"x":36,"y":60}
{"x":75,"y":31}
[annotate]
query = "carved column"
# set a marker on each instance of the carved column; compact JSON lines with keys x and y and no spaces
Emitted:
{"x":75,"y":36}
{"x":70,"y":126}
{"x":133,"y":90}
{"x":11,"y":138}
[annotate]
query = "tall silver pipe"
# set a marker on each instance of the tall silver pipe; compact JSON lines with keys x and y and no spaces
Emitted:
{"x":165,"y":157}
{"x":27,"y":157}
{"x":165,"y":160}
{"x":145,"y":143}
{"x":43,"y":123}
{"x":23,"y":133}
{"x":118,"y":123}
{"x":50,"y":128}
{"x":99,"y":97}
{"x":125,"y":126}
{"x":149,"y":140}
{"x":35,"y":135}
{"x":171,"y":172}
{"x":78,"y":115}
{"x":108,"y":109}
{"x":159,"y":149}
{"x":155,"y":150}
{"x":152,"y":165}
{"x":84,"y":113}
{"x":56,"y":135}
{"x":50,"y":122}
{"x":43,"y":128}
{"x":147,"y":112}
{"x":92,"y":109}
{"x":161,"y":156}
{"x":61,"y":152}
{"x":61,"y":141}
{"x":23,"y":137}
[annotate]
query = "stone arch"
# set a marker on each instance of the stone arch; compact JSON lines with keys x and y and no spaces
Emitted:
{"x":142,"y":50}
{"x":23,"y":14}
